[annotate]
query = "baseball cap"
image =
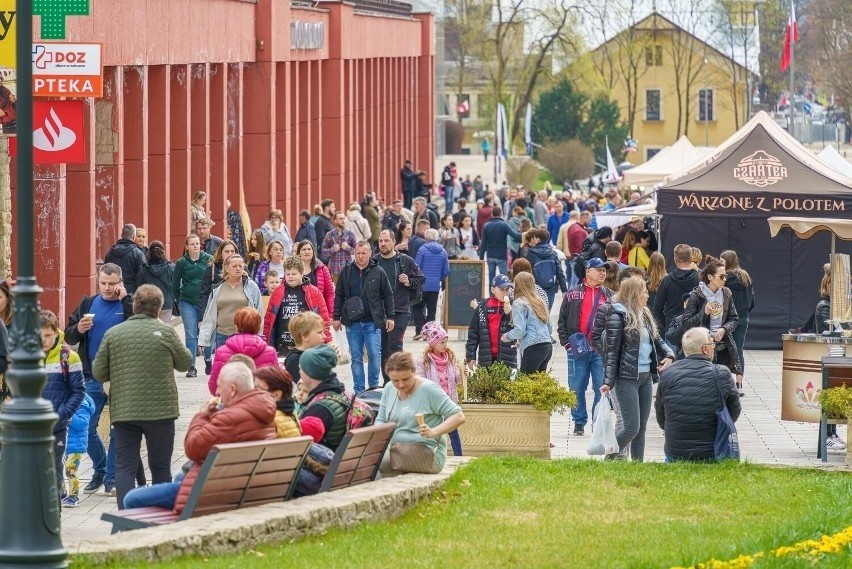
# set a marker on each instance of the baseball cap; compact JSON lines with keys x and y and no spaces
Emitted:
{"x":501,"y":281}
{"x":636,"y":218}
{"x":593,"y":263}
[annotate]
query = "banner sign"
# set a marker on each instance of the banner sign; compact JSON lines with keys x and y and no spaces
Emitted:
{"x":67,"y":70}
{"x":57,"y":133}
{"x":751,"y":204}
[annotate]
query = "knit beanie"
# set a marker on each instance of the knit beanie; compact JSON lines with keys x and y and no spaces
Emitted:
{"x":318,"y":362}
{"x":433,"y":333}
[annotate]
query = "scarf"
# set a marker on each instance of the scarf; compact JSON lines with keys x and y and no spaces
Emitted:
{"x":441,"y":362}
{"x":286,"y":406}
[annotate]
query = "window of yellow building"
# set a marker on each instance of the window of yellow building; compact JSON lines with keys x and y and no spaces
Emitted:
{"x":653,"y":55}
{"x":706,"y":110}
{"x":653,"y":105}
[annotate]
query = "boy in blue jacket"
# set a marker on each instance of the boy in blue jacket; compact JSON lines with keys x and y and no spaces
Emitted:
{"x":78,"y":444}
{"x":64,"y":386}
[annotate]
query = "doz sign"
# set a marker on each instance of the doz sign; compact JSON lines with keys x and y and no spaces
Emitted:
{"x":57,"y":133}
{"x":67,"y":70}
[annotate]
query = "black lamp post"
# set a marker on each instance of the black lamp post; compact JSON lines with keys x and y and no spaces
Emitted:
{"x":29,"y":502}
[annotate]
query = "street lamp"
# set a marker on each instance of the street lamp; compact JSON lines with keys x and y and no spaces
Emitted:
{"x":29,"y":500}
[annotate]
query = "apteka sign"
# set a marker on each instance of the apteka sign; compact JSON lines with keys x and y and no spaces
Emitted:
{"x":67,"y":70}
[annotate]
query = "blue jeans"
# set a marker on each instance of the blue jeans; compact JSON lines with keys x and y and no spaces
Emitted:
{"x":190,"y":318}
{"x":551,"y":295}
{"x":455,"y":442}
{"x":359,"y":335}
{"x":570,"y":276}
{"x":578,"y":381}
{"x":448,"y":198}
{"x":158,"y":495}
{"x":220,"y":339}
{"x":97,"y":453}
{"x":739,"y":336}
{"x":493,"y":266}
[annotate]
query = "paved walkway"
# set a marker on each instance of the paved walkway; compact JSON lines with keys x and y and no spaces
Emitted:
{"x":764,"y":438}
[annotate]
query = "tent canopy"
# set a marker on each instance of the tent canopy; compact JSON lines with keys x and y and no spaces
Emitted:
{"x":724,"y":202}
{"x":618,"y":217}
{"x":807,"y":227}
{"x":759,"y":172}
{"x":833,"y":158}
{"x":667,"y":161}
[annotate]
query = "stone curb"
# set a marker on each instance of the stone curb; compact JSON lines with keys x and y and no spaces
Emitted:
{"x":241,"y":529}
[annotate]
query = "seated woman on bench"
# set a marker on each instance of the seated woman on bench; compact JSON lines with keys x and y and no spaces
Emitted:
{"x":239,"y":414}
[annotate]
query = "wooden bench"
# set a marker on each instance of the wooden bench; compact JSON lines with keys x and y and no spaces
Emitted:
{"x":235,"y":475}
{"x":358,"y":457}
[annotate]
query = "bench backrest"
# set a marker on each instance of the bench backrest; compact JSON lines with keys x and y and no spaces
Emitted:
{"x":239,"y":475}
{"x":358,"y":457}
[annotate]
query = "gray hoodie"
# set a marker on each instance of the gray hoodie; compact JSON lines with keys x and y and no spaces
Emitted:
{"x":716,"y":313}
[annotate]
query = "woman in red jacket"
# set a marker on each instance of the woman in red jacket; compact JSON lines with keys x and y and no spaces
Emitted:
{"x":246,"y":341}
{"x":296,"y":294}
{"x":316,"y":272}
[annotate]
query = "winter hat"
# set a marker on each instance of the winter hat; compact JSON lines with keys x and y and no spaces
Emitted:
{"x":318,"y":362}
{"x":312,"y":427}
{"x":433,"y":333}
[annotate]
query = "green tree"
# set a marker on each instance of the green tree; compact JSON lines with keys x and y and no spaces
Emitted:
{"x":564,"y":113}
{"x":603,"y":121}
{"x":559,"y":113}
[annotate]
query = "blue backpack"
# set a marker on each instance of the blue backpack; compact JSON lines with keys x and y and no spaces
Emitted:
{"x":545,"y":273}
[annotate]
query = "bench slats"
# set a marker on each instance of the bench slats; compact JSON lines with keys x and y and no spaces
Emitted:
{"x":234,"y":475}
{"x":358,"y":457}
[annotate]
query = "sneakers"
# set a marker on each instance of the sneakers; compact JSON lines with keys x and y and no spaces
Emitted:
{"x":70,"y":502}
{"x":92,"y":487}
{"x":192,"y":372}
{"x":208,"y":366}
{"x":418,"y":337}
{"x":579,"y":430}
{"x":109,"y":488}
{"x":834,"y":443}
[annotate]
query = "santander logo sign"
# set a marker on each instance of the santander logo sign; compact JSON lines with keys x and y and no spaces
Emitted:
{"x":57,"y":133}
{"x":53,"y":136}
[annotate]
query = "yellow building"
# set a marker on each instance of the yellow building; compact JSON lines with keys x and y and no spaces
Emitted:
{"x":668,"y":83}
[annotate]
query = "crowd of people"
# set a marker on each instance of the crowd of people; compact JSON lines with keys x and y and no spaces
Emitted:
{"x":266,"y":316}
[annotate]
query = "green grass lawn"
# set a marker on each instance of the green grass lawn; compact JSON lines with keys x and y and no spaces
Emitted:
{"x":516,"y":512}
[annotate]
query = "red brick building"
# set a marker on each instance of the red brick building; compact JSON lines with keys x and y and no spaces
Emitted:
{"x":289,"y":103}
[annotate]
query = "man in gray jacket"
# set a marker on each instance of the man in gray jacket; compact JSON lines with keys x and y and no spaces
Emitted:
{"x":688,"y":397}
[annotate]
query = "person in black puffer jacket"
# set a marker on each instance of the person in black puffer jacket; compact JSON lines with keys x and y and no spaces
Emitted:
{"x":490,"y":315}
{"x":687,"y":400}
{"x":633,"y":354}
{"x":822,"y":312}
{"x":711,"y":306}
{"x":159,"y":272}
{"x":128,"y":256}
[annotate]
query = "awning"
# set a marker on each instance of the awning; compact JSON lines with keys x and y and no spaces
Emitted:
{"x":806,"y":227}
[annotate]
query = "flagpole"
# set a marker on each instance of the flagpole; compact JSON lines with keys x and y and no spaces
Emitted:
{"x":792,"y":86}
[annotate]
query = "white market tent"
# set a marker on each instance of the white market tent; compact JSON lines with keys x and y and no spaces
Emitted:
{"x":618,"y":217}
{"x":667,"y":161}
{"x":833,"y":158}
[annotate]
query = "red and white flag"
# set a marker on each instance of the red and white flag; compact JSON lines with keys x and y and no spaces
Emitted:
{"x":791,"y":36}
{"x":463,"y":107}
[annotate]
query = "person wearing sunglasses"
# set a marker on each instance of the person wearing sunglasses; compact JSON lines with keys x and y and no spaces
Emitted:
{"x":710,"y":305}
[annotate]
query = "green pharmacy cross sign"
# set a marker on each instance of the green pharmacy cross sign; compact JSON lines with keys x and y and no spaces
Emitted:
{"x":53,"y":14}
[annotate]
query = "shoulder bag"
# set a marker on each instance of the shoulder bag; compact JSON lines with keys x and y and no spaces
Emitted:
{"x":578,"y":342}
{"x":413,"y":458}
{"x":727,"y":444}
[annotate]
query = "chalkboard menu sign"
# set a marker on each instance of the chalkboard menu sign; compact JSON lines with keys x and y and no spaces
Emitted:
{"x":467,"y":281}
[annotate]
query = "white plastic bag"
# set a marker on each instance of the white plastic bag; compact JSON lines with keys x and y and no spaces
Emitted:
{"x":341,"y":343}
{"x":603,"y":441}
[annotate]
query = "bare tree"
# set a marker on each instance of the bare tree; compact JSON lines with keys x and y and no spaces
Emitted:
{"x":467,"y":23}
{"x":620,"y":60}
{"x":686,"y":54}
{"x":736,"y":29}
{"x":826,"y":46}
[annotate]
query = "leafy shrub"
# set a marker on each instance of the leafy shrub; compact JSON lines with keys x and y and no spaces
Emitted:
{"x":837,"y":402}
{"x":569,"y":160}
{"x":522,"y":170}
{"x":542,"y":391}
{"x":494,"y":385}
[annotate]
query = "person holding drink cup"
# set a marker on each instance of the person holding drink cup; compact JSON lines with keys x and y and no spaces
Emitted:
{"x":87,"y":326}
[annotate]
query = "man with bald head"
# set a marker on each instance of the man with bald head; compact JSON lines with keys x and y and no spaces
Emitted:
{"x":239,"y":414}
{"x":688,"y":397}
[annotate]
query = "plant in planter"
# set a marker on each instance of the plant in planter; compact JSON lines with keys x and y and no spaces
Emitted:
{"x":837,"y":402}
{"x":511,"y":416}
